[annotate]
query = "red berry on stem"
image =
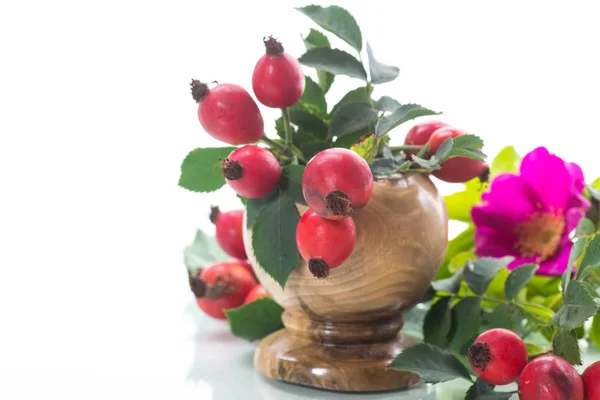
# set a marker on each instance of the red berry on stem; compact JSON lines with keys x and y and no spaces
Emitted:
{"x":278,"y":80}
{"x":229,"y":226}
{"x":256,"y":293}
{"x":228,"y":113}
{"x":498,"y":356}
{"x":419,"y":134}
{"x":550,"y":378}
{"x":324,"y":244}
{"x":455,"y":169}
{"x":252,"y":171}
{"x":591,"y":381}
{"x":337,"y":183}
{"x":220,"y":287}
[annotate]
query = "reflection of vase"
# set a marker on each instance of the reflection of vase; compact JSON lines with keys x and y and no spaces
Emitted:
{"x":342,"y":331}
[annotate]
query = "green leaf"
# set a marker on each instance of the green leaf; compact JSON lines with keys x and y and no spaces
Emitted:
{"x":595,"y":330}
{"x":337,"y":21}
{"x":437,"y":322}
{"x":585,"y":227}
{"x":451,"y":284}
{"x":480,"y":273}
{"x":466,"y":146}
{"x":431,"y":165}
{"x":576,"y":252}
{"x":336,"y":61}
{"x":461,"y":243}
{"x":536,"y":313}
{"x":504,"y":316}
{"x":358,"y":95}
{"x":591,"y":258}
{"x":380,"y":73}
{"x":255,"y":206}
{"x":402,"y":114}
{"x":431,"y":363}
{"x":314,"y":40}
{"x":565,"y":345}
{"x":203,"y":252}
{"x":291,"y":182}
{"x":579,"y":306}
{"x":255,"y":320}
{"x":459,"y":204}
{"x":386,"y":103}
{"x":311,"y":123}
{"x":274,"y":238}
{"x":507,"y":160}
{"x":201,"y":169}
{"x":444,"y":149}
{"x":466,"y":319}
{"x":482,"y":390}
{"x":310,"y":149}
{"x":347,"y":141}
{"x":366,"y":148}
{"x":518,"y":279}
{"x":313,"y":99}
{"x":352,"y":117}
{"x":385,"y":166}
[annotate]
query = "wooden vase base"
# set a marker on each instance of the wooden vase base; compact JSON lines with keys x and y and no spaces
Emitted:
{"x":292,"y":358}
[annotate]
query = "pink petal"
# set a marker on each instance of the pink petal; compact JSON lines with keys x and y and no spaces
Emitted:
{"x":577,"y":176}
{"x":517,"y":262}
{"x":556,"y":265}
{"x":549,"y":176}
{"x":490,"y":242}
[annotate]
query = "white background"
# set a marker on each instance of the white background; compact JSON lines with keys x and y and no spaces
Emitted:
{"x":96,"y":117}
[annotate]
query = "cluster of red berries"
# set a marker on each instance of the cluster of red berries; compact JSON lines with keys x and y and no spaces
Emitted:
{"x":499,"y":357}
{"x":336,"y":184}
{"x":228,"y":284}
{"x":455,"y":169}
{"x":229,"y":114}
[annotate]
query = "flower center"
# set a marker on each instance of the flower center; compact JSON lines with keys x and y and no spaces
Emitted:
{"x":540,"y":236}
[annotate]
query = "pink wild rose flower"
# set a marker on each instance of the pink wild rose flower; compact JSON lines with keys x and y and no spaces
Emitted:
{"x":530,"y":216}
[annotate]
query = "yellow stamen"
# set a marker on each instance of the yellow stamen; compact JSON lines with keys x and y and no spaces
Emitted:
{"x":540,"y":236}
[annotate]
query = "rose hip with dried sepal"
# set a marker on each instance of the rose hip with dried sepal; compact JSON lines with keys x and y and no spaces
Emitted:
{"x":229,"y":227}
{"x":220,"y":287}
{"x":591,"y":381}
{"x":324,"y":244}
{"x":337,"y":183}
{"x":550,"y":377}
{"x":277,"y":80}
{"x":228,"y":113}
{"x":498,"y":356}
{"x":455,"y":169}
{"x":251,"y":171}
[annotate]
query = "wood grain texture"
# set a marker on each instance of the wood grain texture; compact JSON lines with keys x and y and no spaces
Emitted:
{"x":355,"y":313}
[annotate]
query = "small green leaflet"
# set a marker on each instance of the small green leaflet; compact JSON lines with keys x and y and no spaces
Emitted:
{"x":466,"y":319}
{"x":565,"y":345}
{"x":254,"y":207}
{"x":504,"y":316}
{"x":451,"y":284}
{"x":579,"y":306}
{"x":400,"y":115}
{"x":507,"y":160}
{"x":518,"y":279}
{"x":274,"y":238}
{"x":317,"y":39}
{"x":201,"y":169}
{"x":480,"y":273}
{"x":386,"y":103}
{"x":203,"y":252}
{"x":313,"y":99}
{"x":437,"y":322}
{"x":291,"y":182}
{"x":311,"y":123}
{"x":358,"y":95}
{"x":576,"y":252}
{"x":585,"y":227}
{"x":466,"y":146}
{"x":255,"y":320}
{"x":482,"y":390}
{"x":537,"y":314}
{"x":431,"y":165}
{"x":337,"y":21}
{"x":385,"y":166}
{"x":591,"y":258}
{"x":352,"y":117}
{"x":444,"y":149}
{"x":366,"y":147}
{"x":431,"y":363}
{"x":336,"y":61}
{"x":595,"y":330}
{"x":380,"y":73}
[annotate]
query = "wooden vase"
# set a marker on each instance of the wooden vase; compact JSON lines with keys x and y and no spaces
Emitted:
{"x":342,"y":332}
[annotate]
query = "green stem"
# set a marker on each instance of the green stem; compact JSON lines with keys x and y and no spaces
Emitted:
{"x":285,"y":113}
{"x":272,"y":143}
{"x":406,"y":148}
{"x":423,"y":151}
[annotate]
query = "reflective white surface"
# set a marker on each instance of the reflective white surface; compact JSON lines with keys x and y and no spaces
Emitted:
{"x":201,"y":361}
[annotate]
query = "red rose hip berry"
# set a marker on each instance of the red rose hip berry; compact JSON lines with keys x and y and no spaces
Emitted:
{"x":324,"y":244}
{"x":550,"y":378}
{"x":251,"y":171}
{"x":337,"y":183}
{"x":256,"y":293}
{"x":229,"y":226}
{"x":419,"y":134}
{"x":228,"y":113}
{"x":591,"y":381}
{"x":220,"y":287}
{"x":455,"y":169}
{"x":278,"y":80}
{"x":498,"y":356}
